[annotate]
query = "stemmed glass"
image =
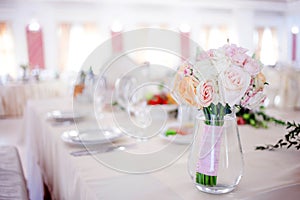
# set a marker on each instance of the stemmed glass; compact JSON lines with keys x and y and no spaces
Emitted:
{"x":131,"y":98}
{"x":100,"y":96}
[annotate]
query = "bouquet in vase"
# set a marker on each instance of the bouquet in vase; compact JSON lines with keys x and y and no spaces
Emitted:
{"x":217,"y":81}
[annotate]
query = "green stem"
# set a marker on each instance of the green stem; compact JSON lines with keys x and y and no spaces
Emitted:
{"x":214,"y":116}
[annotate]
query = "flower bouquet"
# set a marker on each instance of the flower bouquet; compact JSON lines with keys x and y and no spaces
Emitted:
{"x":215,"y":82}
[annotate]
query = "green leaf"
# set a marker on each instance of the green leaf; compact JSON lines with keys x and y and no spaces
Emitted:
{"x":260,"y":148}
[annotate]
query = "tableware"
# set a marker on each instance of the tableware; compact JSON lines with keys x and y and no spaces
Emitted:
{"x":125,"y":88}
{"x":179,"y":138}
{"x":62,"y":123}
{"x":61,"y":116}
{"x":90,"y":137}
{"x":102,"y":149}
{"x":166,"y":107}
{"x":100,"y":97}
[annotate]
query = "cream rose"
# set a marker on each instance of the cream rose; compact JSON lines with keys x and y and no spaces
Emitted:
{"x":187,"y":90}
{"x":233,"y":83}
{"x":259,"y":81}
{"x":205,"y":93}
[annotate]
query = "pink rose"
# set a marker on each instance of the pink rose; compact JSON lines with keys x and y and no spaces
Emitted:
{"x":205,"y":93}
{"x":236,"y":54}
{"x":211,"y":53}
{"x":253,"y":67}
{"x":239,"y":59}
{"x":231,"y":50}
{"x":205,"y":55}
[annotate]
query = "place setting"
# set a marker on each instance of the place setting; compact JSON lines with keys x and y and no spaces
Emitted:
{"x":64,"y":118}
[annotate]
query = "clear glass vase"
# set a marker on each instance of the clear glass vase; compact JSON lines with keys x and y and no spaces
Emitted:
{"x":216,"y":159}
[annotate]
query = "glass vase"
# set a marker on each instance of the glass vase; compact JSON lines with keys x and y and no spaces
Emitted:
{"x":216,"y":159}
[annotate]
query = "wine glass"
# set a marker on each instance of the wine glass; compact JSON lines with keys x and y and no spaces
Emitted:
{"x":100,"y":96}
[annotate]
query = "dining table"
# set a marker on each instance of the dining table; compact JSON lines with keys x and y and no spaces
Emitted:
{"x":14,"y":95}
{"x":154,"y":167}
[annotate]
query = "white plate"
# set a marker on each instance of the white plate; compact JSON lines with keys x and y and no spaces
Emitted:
{"x":58,"y":115}
{"x":166,"y":107}
{"x":88,"y":137}
{"x":178,"y":138}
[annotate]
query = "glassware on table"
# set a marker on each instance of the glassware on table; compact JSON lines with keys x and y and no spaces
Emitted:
{"x":186,"y":114}
{"x":100,"y":96}
{"x":216,"y":160}
{"x":132,"y":99}
{"x":123,"y":87}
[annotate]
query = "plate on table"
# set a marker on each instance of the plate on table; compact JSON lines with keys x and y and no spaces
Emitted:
{"x":61,"y":116}
{"x":94,"y":136}
{"x":166,"y":107}
{"x":184,"y":133}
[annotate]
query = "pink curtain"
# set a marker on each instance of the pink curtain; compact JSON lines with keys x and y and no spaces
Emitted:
{"x":35,"y":49}
{"x":117,"y":41}
{"x":185,"y":45}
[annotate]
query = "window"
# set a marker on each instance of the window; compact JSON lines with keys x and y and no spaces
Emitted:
{"x":76,"y":42}
{"x":266,"y":43}
{"x":7,"y":54}
{"x":212,"y":37}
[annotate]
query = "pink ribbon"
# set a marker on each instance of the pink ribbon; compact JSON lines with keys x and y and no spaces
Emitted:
{"x":210,"y":150}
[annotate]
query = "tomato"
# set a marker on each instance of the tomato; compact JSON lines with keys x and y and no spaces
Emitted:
{"x":241,"y":121}
{"x":158,"y":99}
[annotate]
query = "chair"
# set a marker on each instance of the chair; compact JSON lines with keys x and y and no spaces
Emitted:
{"x":12,"y":180}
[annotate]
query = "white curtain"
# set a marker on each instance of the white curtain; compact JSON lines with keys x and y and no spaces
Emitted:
{"x":7,"y":53}
{"x":212,"y":37}
{"x":77,"y":41}
{"x":266,"y":42}
{"x":269,"y":47}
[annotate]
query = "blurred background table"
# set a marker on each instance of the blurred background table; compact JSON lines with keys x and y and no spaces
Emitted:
{"x":14,"y":95}
{"x":283,"y":89}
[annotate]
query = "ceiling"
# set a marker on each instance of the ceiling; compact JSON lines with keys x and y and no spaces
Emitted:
{"x":275,"y":1}
{"x":107,"y":1}
{"x":267,"y":5}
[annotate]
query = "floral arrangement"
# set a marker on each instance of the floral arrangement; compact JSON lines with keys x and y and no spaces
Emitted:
{"x":226,"y":75}
{"x":217,"y":81}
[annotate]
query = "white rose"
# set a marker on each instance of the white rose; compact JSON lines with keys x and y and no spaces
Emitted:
{"x":205,"y":70}
{"x":254,"y":100}
{"x":233,"y":82}
{"x":221,"y":61}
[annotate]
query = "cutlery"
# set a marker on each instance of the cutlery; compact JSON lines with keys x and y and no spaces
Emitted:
{"x":101,"y":150}
{"x":62,"y":123}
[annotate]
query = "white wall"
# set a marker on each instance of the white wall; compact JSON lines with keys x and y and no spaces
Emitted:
{"x":240,"y":17}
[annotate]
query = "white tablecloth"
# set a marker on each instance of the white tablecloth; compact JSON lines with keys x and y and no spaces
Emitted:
{"x":267,"y":174}
{"x":13,"y":96}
